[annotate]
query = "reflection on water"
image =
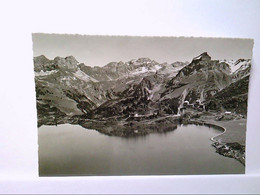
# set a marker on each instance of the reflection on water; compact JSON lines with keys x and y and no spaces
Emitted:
{"x":72,"y":150}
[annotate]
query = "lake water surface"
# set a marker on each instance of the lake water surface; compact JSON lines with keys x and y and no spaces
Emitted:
{"x":73,"y":150}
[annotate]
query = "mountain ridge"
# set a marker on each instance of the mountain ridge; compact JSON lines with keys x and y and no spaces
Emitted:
{"x":141,"y":86}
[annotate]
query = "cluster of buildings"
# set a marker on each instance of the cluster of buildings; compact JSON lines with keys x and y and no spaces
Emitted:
{"x":196,"y":106}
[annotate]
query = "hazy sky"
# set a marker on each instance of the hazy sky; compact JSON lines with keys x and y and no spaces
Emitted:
{"x":100,"y":50}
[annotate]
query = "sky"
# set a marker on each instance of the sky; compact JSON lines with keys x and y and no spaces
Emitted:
{"x":100,"y":50}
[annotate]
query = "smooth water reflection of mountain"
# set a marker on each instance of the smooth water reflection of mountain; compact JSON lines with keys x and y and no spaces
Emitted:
{"x":72,"y":150}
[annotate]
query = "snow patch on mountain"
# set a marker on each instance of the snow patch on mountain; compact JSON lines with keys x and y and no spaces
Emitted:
{"x":140,"y":71}
{"x":236,"y":65}
{"x":144,"y":69}
{"x":157,"y":67}
{"x":232,"y":64}
{"x":42,"y":73}
{"x":82,"y":76}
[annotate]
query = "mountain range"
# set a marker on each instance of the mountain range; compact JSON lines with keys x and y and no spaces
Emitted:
{"x":66,"y":88}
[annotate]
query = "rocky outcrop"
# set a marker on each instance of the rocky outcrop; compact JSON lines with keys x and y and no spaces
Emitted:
{"x":41,"y":63}
{"x":69,"y":63}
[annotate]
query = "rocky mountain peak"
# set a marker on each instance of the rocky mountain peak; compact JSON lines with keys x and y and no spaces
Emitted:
{"x":41,"y":60}
{"x":201,"y":62}
{"x":41,"y":63}
{"x":111,"y":64}
{"x":68,"y":62}
{"x":202,"y":57}
{"x":143,"y":60}
{"x":71,"y":59}
{"x":202,"y":68}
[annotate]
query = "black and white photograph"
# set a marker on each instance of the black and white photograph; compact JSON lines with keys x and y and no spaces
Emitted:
{"x":132,"y":105}
{"x":130,"y":97}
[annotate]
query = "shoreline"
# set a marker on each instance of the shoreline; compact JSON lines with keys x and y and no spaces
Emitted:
{"x":231,"y":150}
{"x":131,"y":128}
{"x":231,"y":147}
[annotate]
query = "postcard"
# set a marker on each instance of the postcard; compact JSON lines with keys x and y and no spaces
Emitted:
{"x":125,"y":105}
